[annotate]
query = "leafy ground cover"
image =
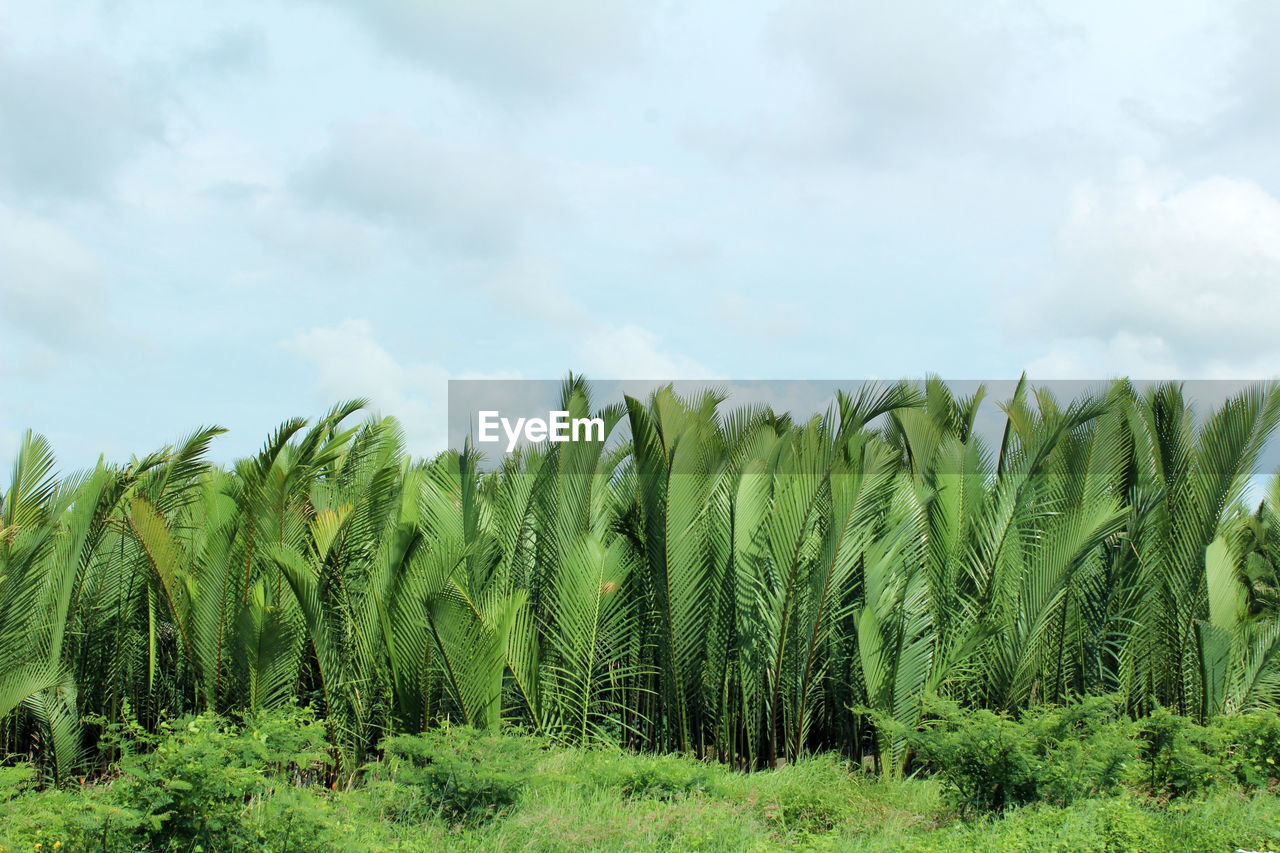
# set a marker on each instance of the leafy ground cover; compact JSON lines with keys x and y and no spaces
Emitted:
{"x":211,"y":784}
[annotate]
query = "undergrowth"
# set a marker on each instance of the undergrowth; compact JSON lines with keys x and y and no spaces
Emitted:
{"x":1081,"y":778}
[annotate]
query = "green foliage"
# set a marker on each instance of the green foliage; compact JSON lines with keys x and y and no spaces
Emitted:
{"x":985,"y":757}
{"x":1079,"y":750}
{"x":586,"y":800}
{"x":723,"y":583}
{"x":655,"y":776}
{"x":809,"y":799}
{"x":456,"y":773}
{"x":1052,"y":754}
{"x":1128,"y":823}
{"x":1179,"y":757}
{"x":1061,"y":754}
{"x":202,"y":783}
{"x":125,"y":737}
{"x":1253,"y":748}
{"x":1123,"y":824}
{"x":15,"y":779}
{"x":194,"y":786}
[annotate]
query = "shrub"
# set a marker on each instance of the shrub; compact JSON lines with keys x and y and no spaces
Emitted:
{"x":1252,"y":747}
{"x":1079,"y":750}
{"x":15,"y":779}
{"x":654,"y":777}
{"x":192,"y":786}
{"x":808,"y":798}
{"x":1059,"y":755}
{"x":1178,"y":756}
{"x":460,"y":774}
{"x":293,"y":819}
{"x":982,"y":755}
{"x":193,"y":789}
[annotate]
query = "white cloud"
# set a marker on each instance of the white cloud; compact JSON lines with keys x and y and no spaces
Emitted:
{"x":464,"y":199}
{"x":50,"y":287}
{"x":523,"y":172}
{"x":632,"y":352}
{"x":349,"y":362}
{"x":894,"y":73}
{"x":1158,"y":274}
{"x":239,"y":50}
{"x":1122,"y":354}
{"x":872,"y":52}
{"x":324,"y":241}
{"x":1253,"y":80}
{"x":508,"y":48}
{"x":69,"y":121}
{"x":533,"y":287}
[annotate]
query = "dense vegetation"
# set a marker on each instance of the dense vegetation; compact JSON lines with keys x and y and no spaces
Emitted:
{"x":728,"y":584}
{"x":1099,"y":783}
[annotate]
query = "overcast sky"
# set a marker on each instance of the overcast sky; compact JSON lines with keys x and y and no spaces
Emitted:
{"x":238,"y":212}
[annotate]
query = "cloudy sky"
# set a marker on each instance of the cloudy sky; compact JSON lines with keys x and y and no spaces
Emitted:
{"x":237,"y":212}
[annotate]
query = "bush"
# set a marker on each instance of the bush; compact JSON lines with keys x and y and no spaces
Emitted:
{"x":1058,"y":755}
{"x":194,"y":788}
{"x":985,"y":757}
{"x":609,"y":800}
{"x":15,"y":779}
{"x":1178,"y":756}
{"x":1253,"y":748}
{"x":808,"y":798}
{"x":654,"y":777}
{"x":293,"y":818}
{"x":1079,"y":750}
{"x":460,"y":774}
{"x":1121,"y":824}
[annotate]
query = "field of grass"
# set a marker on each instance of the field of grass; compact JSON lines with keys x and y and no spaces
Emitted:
{"x":211,"y":786}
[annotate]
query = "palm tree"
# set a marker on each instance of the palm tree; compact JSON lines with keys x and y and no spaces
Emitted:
{"x":728,"y":582}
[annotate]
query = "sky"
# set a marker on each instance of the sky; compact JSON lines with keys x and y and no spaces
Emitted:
{"x":236,"y":213}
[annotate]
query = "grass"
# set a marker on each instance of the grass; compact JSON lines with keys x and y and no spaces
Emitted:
{"x":580,"y":800}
